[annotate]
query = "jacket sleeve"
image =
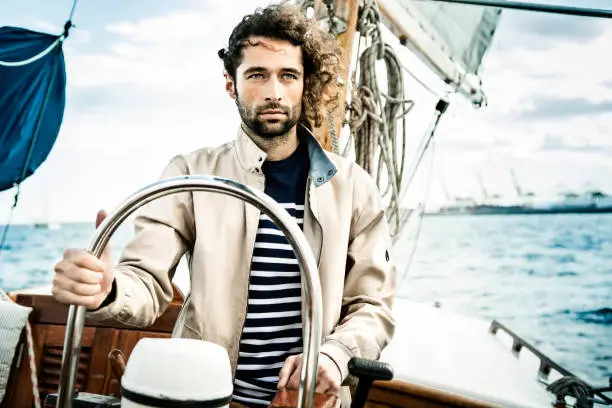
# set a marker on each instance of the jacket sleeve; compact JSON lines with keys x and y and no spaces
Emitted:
{"x":366,"y":322}
{"x":163,"y":233}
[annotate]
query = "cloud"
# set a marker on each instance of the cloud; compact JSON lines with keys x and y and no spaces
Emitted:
{"x":173,"y":28}
{"x":540,"y":31}
{"x":146,"y":89}
{"x":174,"y":52}
{"x":557,"y":143}
{"x":558,"y":27}
{"x":562,"y":108}
{"x":540,"y":76}
{"x":47,"y":27}
{"x":77,"y":36}
{"x":533,"y":78}
{"x":472,"y":145}
{"x":546,"y":66}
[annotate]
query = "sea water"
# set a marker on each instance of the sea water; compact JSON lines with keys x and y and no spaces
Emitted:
{"x":546,"y":277}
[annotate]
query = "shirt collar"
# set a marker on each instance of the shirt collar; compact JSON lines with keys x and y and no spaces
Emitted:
{"x":251,"y":157}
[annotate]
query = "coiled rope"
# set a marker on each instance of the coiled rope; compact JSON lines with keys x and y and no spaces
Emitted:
{"x":571,"y":387}
{"x":374,"y":115}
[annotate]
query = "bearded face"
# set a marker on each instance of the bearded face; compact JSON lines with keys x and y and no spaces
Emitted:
{"x":268,"y":86}
{"x":271,"y":119}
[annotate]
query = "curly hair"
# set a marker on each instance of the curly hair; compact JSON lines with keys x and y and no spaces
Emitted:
{"x":321,"y":54}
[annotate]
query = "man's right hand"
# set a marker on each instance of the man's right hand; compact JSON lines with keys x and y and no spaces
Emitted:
{"x":82,"y":279}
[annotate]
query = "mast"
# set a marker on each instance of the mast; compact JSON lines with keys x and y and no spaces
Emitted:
{"x":482,"y":186}
{"x":519,"y":192}
{"x":446,"y":192}
{"x":346,"y":11}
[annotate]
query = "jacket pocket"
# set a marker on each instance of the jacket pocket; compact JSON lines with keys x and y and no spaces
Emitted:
{"x":181,"y":328}
{"x":190,"y":333}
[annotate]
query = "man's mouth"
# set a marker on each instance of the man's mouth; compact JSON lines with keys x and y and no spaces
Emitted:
{"x":272,"y":114}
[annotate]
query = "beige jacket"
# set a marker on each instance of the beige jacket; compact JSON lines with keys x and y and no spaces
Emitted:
{"x":344,"y":223}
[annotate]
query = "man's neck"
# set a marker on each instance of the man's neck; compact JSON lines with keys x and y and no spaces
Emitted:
{"x":277,"y":147}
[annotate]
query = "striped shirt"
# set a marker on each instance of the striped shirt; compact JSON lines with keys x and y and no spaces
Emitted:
{"x":273,"y":328}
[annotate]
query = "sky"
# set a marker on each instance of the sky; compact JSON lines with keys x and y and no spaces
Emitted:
{"x":145,"y":84}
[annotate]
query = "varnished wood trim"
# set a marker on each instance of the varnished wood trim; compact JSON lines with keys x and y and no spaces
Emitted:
{"x":397,"y":394}
{"x":46,"y":310}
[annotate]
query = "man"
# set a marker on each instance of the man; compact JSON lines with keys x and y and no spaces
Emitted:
{"x":245,"y":282}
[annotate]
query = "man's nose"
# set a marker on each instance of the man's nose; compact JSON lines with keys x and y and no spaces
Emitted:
{"x":273,"y":92}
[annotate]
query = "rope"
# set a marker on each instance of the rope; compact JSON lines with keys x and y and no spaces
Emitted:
{"x":74,"y":3}
{"x":332,"y":132}
{"x":420,"y":81}
{"x":421,"y":217}
{"x":441,"y":108}
{"x":38,"y":56}
{"x":28,"y":158}
{"x":374,"y":114}
{"x":331,"y":15}
{"x":50,"y":48}
{"x":10,"y":219}
{"x":32,"y":361}
{"x":572,"y":387}
{"x":30,"y":60}
{"x":428,"y":141}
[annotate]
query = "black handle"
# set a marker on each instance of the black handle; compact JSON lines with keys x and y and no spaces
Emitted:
{"x":367,"y":371}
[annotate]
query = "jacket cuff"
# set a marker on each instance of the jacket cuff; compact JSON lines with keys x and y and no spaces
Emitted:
{"x":112,"y":310}
{"x":339,"y":354}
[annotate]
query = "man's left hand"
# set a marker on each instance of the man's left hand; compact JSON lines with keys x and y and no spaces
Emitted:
{"x":329,"y":377}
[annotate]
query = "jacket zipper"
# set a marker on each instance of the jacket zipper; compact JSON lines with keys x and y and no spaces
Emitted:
{"x":246,"y":309}
{"x":308,"y":187}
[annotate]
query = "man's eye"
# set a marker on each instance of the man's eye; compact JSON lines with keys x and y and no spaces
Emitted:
{"x":289,"y":76}
{"x":255,"y":76}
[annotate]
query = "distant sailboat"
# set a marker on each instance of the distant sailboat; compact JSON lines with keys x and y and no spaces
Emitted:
{"x":46,"y":225}
{"x":45,"y":221}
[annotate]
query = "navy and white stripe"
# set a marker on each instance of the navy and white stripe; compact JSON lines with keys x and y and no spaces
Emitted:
{"x":273,"y":327}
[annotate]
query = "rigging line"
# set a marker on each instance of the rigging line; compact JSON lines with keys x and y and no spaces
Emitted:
{"x":40,"y":55}
{"x":441,"y":107}
{"x":47,"y":50}
{"x":9,"y":221}
{"x":36,"y":57}
{"x":74,"y":3}
{"x":538,"y":7}
{"x":50,"y":48}
{"x":419,"y":80}
{"x":421,"y":216}
{"x":38,"y":125}
{"x":29,"y":155}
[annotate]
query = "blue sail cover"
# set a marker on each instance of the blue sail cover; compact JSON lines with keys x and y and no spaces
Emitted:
{"x":32,"y":100}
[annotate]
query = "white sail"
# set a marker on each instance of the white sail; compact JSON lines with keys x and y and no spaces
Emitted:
{"x":465,"y":31}
{"x":451,"y":38}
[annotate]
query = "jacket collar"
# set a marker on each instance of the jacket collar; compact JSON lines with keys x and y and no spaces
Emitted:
{"x":251,"y":157}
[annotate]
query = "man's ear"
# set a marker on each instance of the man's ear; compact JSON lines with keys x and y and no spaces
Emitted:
{"x":230,"y":85}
